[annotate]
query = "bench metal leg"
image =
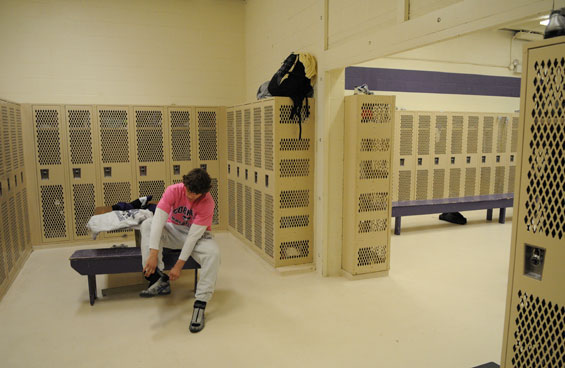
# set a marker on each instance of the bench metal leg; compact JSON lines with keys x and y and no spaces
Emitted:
{"x":195,"y":278}
{"x":92,"y":288}
{"x":502,"y":216}
{"x":397,"y":222}
{"x":489,"y":214}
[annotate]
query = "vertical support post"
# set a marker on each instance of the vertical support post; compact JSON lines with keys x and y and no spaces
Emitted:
{"x":397,"y":222}
{"x":489,"y":214}
{"x":92,"y":288}
{"x":502,"y":216}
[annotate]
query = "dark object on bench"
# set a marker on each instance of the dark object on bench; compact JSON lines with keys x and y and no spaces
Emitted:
{"x":426,"y":207}
{"x":488,"y":365}
{"x":453,"y":217}
{"x":92,"y":262}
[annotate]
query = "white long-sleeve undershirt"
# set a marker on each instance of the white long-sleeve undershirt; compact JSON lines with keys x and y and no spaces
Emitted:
{"x":158,"y":223}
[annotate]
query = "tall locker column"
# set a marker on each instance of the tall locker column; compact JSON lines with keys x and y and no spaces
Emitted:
{"x":367,"y":185}
{"x":440,"y":167}
{"x":502,"y":125}
{"x":151,"y":153}
{"x":247,"y":174}
{"x":181,"y":133}
{"x":456,"y":157}
{"x":471,"y":153}
{"x":239,"y":170}
{"x":267,"y":181}
{"x":256,"y":176}
{"x":512,"y":152}
{"x":52,"y":167}
{"x":424,"y":156}
{"x":117,"y":169}
{"x":83,"y":169}
{"x":535,"y":309}
{"x":486,"y":154}
{"x":405,"y":134}
{"x":231,"y":167}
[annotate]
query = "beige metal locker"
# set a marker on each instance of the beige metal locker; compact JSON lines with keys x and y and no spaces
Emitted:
{"x":367,"y":185}
{"x":5,"y":136}
{"x":512,"y":153}
{"x":84,"y":168}
{"x":486,"y":158}
{"x":181,"y":133}
{"x":440,"y":143}
{"x":456,"y":159}
{"x":52,"y":173}
{"x":471,"y":164}
{"x":424,"y":156}
{"x":502,"y":127}
{"x":535,"y":310}
{"x":406,"y":129}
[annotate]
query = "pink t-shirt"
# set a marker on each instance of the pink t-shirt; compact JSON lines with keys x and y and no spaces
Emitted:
{"x":183,"y":212}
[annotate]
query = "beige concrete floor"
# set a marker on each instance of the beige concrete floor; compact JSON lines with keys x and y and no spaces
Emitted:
{"x":441,"y":306}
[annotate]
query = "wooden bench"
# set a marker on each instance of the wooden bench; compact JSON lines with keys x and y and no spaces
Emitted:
{"x":92,"y":262}
{"x":425,"y":207}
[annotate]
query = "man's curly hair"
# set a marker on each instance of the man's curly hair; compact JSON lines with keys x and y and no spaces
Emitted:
{"x":197,"y":181}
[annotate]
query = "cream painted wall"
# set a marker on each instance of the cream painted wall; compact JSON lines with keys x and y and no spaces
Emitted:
{"x":122,"y":51}
{"x":487,"y":52}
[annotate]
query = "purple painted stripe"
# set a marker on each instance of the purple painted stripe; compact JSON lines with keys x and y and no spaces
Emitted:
{"x":399,"y":80}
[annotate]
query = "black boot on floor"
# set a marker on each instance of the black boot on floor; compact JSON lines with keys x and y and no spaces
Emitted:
{"x":197,"y":322}
{"x":453,"y":217}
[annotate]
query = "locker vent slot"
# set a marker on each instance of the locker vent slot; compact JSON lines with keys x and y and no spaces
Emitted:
{"x":258,"y":214}
{"x":150,"y":145}
{"x":295,"y":249}
{"x":208,"y":139}
{"x":294,"y":198}
{"x":373,"y":169}
{"x":441,"y":135}
{"x":231,"y":202}
{"x":84,"y":202}
{"x":214,"y":193}
{"x":485,"y":181}
{"x":439,"y":183}
{"x":14,"y":138}
{"x":424,"y":123}
{"x":539,"y":333}
{"x":239,"y":208}
{"x":81,"y":146}
{"x":268,"y":111}
{"x":180,"y":119}
{"x":239,"y":136}
{"x":26,"y":218}
{"x":16,"y":246}
{"x":20,"y":138}
{"x":454,"y":183}
{"x":514,"y":138}
{"x":473,"y":135}
{"x":511,"y":178}
{"x":502,"y":134}
{"x":294,"y":221}
{"x":378,"y":113}
{"x":404,"y":184}
{"x":7,"y":246}
{"x":369,"y":202}
{"x":180,"y":144}
{"x":247,"y":136}
{"x":116,"y":192}
{"x":371,"y":255}
{"x":156,"y":188}
{"x":499,"y":176}
{"x":149,"y":119}
{"x":372,"y":226}
{"x":5,"y":149}
{"x":470,"y":181}
{"x":20,"y":228}
{"x":292,"y":144}
{"x":113,"y":119}
{"x":294,"y":167}
{"x":457,"y":135}
{"x":257,"y":145}
{"x":48,"y":140}
{"x":53,"y":211}
{"x":406,"y":134}
{"x":375,"y":144}
{"x":231,"y":137}
{"x":285,"y":114}
{"x":269,"y":225}
{"x":488,"y":126}
{"x":422,"y":184}
{"x":114,"y":145}
{"x":248,"y":214}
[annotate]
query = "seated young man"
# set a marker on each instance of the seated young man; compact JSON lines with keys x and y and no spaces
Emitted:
{"x":182,"y":220}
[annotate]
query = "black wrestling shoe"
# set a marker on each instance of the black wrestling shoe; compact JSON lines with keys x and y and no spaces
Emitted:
{"x":197,"y":321}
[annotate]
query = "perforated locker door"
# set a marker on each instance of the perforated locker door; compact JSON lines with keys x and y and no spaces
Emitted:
{"x":404,"y":154}
{"x":294,"y":183}
{"x":367,"y":185}
{"x":266,"y":183}
{"x":456,"y":156}
{"x":81,"y":132}
{"x":4,"y":244}
{"x":5,"y":137}
{"x":486,"y":154}
{"x":470,"y":182}
{"x":208,"y":124}
{"x":52,"y":176}
{"x":440,"y":158}
{"x":535,"y":311}
{"x":117,"y":156}
{"x":424,"y":155}
{"x":501,"y":133}
{"x":152,"y":155}
{"x":8,"y":245}
{"x":512,"y":152}
{"x":181,"y":137}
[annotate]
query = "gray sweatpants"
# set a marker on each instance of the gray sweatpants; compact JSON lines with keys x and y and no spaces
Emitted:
{"x":206,"y":252}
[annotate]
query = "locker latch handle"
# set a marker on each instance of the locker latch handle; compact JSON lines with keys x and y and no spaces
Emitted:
{"x":16,"y":180}
{"x":229,"y":168}
{"x":76,"y":173}
{"x":453,"y":160}
{"x":420,"y":162}
{"x":143,"y":171}
{"x":203,"y":167}
{"x":8,"y":184}
{"x":436,"y":160}
{"x":484,"y":159}
{"x":497,"y":158}
{"x":511,"y":158}
{"x":107,"y":172}
{"x":468,"y":159}
{"x":401,"y":162}
{"x":0,"y":189}
{"x":238,"y":172}
{"x":246,"y":174}
{"x":267,"y":180}
{"x":176,"y":169}
{"x":256,"y":177}
{"x":44,"y":174}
